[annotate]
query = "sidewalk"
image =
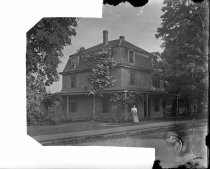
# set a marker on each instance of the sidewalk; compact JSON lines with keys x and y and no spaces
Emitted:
{"x":73,"y":136}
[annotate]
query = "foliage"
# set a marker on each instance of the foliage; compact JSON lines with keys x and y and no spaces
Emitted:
{"x":124,"y":98}
{"x":100,"y":64}
{"x":40,"y":104}
{"x":81,"y":51}
{"x":45,"y":42}
{"x":34,"y":95}
{"x":51,"y":101}
{"x":183,"y":60}
{"x":156,"y":60}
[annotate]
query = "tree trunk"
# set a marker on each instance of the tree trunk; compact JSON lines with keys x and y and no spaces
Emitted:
{"x":123,"y":114}
{"x":46,"y":113}
{"x":126,"y":113}
{"x":94,"y":108}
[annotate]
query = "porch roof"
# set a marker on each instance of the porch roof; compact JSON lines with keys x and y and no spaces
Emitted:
{"x":113,"y":90}
{"x":74,"y":93}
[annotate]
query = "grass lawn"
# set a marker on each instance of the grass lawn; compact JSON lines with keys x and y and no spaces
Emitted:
{"x":84,"y":126}
{"x":70,"y":127}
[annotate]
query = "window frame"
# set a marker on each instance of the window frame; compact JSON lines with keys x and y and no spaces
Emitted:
{"x":74,"y":65}
{"x":133,"y":60}
{"x":105,"y":107}
{"x":156,"y":81}
{"x":74,"y":62}
{"x":156,"y":105}
{"x":74,"y":102}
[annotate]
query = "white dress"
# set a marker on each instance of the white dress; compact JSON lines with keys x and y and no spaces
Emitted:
{"x":134,"y":115}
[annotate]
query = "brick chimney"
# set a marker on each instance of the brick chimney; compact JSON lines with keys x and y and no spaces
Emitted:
{"x":122,"y":37}
{"x":105,"y":37}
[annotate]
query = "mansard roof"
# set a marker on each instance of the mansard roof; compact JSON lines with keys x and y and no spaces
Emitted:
{"x":116,"y":43}
{"x":143,"y":58}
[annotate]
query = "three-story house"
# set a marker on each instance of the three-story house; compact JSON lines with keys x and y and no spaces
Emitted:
{"x":133,"y":72}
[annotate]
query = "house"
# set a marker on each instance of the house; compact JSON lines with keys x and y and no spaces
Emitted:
{"x":133,"y":72}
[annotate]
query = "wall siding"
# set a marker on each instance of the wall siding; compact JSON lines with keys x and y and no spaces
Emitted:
{"x":84,"y":108}
{"x":139,"y":76}
{"x":81,"y":80}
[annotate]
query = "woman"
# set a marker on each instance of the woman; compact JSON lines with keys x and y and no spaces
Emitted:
{"x":134,"y":114}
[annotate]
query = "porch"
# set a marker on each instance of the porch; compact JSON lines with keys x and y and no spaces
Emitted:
{"x":150,"y":104}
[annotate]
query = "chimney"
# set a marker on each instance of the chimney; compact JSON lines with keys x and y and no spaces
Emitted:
{"x":122,"y":37}
{"x":105,"y":37}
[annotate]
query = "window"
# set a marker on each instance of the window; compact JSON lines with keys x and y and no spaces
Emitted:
{"x":130,"y":57}
{"x":74,"y":65}
{"x":105,"y":105}
{"x":74,"y":62}
{"x":132,"y":77}
{"x":156,"y":105}
{"x":73,"y":106}
{"x":73,"y":81}
{"x":156,"y":81}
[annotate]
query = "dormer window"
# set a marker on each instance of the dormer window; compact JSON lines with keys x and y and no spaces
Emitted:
{"x":74,"y":62}
{"x":74,"y":65}
{"x":131,"y":56}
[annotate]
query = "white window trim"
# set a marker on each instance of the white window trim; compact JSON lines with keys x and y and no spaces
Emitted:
{"x":128,"y":57}
{"x":74,"y":59}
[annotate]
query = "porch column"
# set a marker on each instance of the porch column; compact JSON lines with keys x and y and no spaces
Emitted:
{"x":147,"y":96}
{"x":67,"y":107}
{"x":177,"y":105}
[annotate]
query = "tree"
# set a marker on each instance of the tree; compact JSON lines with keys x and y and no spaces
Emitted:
{"x":184,"y":56}
{"x":101,"y":64}
{"x":50,"y":100}
{"x":126,"y":99}
{"x":45,"y":42}
{"x":34,"y":95}
{"x":156,"y":60}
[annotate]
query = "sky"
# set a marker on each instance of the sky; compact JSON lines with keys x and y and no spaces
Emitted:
{"x":138,"y":25}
